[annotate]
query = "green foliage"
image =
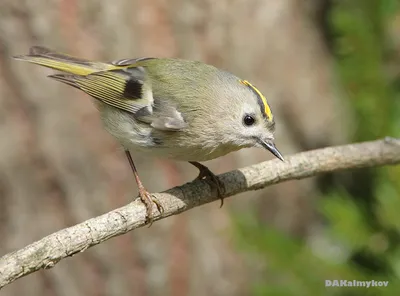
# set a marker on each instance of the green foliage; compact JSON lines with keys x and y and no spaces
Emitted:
{"x":296,"y":267}
{"x":360,"y":238}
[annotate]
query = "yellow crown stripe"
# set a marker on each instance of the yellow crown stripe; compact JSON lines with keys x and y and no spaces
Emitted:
{"x":267,"y":110}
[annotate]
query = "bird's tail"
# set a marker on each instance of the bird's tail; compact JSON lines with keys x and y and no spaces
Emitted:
{"x":48,"y":58}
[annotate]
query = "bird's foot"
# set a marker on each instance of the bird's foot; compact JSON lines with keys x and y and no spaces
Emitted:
{"x":149,"y":201}
{"x":208,"y":176}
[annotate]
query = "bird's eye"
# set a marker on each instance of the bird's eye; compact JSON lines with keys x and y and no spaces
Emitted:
{"x":248,"y":120}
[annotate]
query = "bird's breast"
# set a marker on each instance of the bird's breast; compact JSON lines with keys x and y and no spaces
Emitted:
{"x":176,"y":145}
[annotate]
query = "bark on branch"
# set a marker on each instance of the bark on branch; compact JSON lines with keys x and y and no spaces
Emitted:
{"x":46,"y":252}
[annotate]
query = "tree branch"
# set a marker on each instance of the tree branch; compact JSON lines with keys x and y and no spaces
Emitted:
{"x":46,"y":252}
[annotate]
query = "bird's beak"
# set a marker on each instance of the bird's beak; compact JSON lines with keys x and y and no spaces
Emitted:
{"x":269,"y":145}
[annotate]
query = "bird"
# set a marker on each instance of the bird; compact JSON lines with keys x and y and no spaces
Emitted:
{"x":171,"y":108}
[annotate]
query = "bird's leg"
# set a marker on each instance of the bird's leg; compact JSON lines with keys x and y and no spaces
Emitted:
{"x":144,"y":195}
{"x":211,"y":178}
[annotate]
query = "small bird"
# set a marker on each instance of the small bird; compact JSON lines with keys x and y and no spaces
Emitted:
{"x":171,"y":108}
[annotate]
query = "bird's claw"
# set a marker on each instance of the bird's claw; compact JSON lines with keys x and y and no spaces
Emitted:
{"x":148,"y":200}
{"x":208,"y":176}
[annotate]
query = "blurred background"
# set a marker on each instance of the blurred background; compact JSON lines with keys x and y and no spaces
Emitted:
{"x":330,"y":70}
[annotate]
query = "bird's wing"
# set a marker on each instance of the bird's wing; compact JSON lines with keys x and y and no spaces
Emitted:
{"x":126,"y":89}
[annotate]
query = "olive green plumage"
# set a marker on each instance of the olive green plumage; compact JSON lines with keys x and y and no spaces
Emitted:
{"x":178,"y":109}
